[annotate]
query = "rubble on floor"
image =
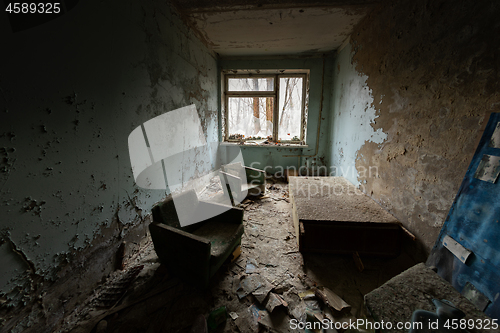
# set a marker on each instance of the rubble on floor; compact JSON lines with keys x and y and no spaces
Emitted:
{"x":114,"y":292}
{"x":269,"y":287}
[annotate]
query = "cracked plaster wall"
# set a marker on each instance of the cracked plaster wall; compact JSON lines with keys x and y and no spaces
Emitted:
{"x":71,"y":91}
{"x":427,"y":78}
{"x":353,"y":114}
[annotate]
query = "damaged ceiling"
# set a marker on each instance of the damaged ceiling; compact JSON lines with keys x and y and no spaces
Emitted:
{"x":275,"y":27}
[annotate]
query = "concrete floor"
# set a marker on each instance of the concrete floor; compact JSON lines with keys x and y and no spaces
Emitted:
{"x":158,"y":302}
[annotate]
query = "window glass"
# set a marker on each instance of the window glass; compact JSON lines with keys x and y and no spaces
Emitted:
{"x":270,"y":107}
{"x":250,"y":117}
{"x":290,"y":108}
{"x":251,"y":84}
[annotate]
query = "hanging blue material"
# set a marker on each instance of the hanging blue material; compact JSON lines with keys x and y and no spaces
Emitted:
{"x":473,"y":223}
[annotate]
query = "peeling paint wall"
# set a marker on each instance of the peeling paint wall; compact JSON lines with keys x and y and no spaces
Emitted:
{"x":429,"y":72}
{"x":352,"y":116}
{"x":71,"y":91}
{"x":277,"y":159}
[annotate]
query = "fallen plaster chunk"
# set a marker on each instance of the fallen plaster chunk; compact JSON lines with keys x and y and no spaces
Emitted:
{"x":252,"y":284}
{"x":299,"y":311}
{"x":261,"y":315}
{"x":246,"y":322}
{"x":262,"y":292}
{"x":252,"y":266}
{"x":274,"y":301}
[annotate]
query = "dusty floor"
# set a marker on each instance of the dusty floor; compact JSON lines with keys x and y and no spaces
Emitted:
{"x":156,"y":301}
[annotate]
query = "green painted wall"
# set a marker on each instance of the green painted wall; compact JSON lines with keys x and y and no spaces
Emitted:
{"x":71,"y":91}
{"x":353,"y":115}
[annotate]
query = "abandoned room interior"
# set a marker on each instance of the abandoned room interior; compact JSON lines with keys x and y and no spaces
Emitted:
{"x":250,"y":166}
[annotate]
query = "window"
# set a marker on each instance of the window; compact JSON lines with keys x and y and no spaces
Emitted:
{"x":265,"y":107}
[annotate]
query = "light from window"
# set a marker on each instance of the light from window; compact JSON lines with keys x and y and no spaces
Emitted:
{"x":252,"y":113}
{"x":248,"y":84}
{"x":250,"y":117}
{"x":290,"y":109}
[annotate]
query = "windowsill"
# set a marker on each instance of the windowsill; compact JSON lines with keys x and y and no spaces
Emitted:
{"x":263,"y":145}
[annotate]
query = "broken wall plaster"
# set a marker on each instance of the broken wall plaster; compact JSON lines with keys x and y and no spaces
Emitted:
{"x":77,"y":271}
{"x":353,"y":116}
{"x":83,"y":176}
{"x":434,"y":83}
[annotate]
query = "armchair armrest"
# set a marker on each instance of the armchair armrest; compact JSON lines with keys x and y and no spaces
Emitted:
{"x":180,"y":250}
{"x":172,"y":232}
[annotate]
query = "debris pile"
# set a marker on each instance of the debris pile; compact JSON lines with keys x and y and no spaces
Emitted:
{"x":278,"y":306}
{"x":266,"y":288}
{"x":262,"y":288}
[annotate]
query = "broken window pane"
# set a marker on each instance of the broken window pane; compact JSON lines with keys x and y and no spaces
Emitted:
{"x":290,"y":108}
{"x":250,"y":117}
{"x":251,"y":84}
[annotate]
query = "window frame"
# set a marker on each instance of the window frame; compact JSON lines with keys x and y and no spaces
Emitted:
{"x":277,"y":75}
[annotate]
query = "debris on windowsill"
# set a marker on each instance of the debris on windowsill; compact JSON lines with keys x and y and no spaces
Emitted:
{"x":236,"y":137}
{"x":267,"y":143}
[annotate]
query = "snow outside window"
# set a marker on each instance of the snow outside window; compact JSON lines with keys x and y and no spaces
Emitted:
{"x":265,"y":108}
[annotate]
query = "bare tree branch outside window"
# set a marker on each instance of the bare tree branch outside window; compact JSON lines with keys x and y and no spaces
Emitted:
{"x":252,"y":117}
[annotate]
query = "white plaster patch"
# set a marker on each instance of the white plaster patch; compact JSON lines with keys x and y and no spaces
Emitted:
{"x":353,"y":114}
